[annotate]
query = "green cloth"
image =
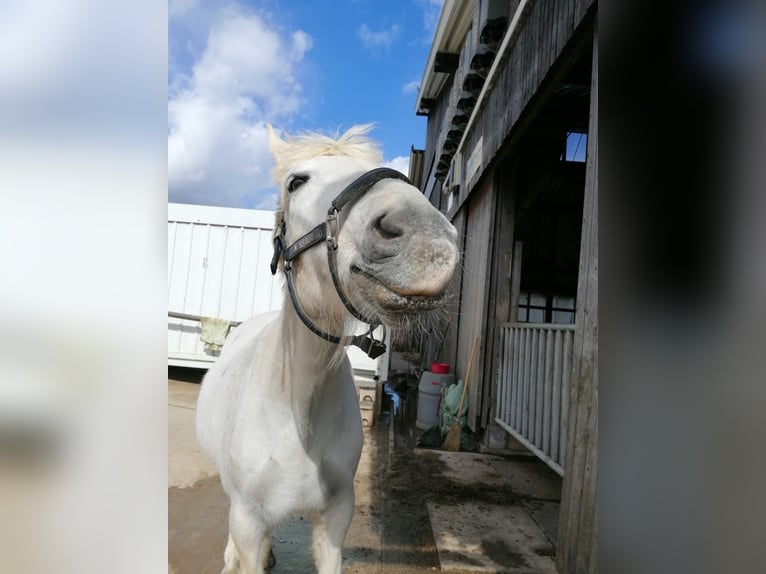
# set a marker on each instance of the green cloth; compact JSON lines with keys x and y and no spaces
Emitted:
{"x":213,"y":333}
{"x":449,"y":406}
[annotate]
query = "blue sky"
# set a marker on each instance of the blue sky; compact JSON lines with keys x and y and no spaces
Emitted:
{"x":297,"y":64}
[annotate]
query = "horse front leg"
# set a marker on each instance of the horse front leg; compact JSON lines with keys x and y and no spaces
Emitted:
{"x":330,"y":529}
{"x":230,"y":558}
{"x":249,"y":543}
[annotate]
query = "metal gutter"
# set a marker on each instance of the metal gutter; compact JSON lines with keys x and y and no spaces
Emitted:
{"x":454,"y":21}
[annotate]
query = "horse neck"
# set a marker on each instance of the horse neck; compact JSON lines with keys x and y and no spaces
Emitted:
{"x":308,"y":361}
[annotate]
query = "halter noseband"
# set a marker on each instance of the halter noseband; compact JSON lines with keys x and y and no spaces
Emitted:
{"x":328,"y":232}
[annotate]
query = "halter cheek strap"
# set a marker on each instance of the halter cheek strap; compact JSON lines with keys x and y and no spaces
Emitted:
{"x":328,"y":232}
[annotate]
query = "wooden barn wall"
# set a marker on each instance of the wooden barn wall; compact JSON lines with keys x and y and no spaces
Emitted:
{"x":578,"y":522}
{"x":540,"y":42}
{"x":473,"y":309}
{"x":448,"y":352}
{"x":436,"y":119}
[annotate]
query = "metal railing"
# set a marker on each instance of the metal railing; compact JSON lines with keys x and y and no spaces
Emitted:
{"x":533,"y":397}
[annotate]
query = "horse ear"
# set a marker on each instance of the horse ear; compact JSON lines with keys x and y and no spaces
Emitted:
{"x":275,"y":143}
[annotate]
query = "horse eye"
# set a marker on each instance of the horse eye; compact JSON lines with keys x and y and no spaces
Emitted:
{"x":296,"y":182}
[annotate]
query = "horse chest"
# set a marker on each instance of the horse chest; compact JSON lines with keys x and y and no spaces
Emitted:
{"x":272,"y":463}
{"x":287,"y":480}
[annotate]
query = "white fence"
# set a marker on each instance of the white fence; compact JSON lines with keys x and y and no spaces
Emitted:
{"x":533,"y":397}
{"x":218,"y":266}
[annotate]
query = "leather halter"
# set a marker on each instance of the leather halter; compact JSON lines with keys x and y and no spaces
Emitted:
{"x":328,"y":232}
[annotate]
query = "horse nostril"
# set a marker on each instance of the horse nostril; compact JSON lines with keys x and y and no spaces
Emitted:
{"x":386,"y":228}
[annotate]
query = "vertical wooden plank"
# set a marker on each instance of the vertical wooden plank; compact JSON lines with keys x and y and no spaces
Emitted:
{"x":454,"y":299}
{"x":500,"y":297}
{"x":581,"y":6}
{"x":495,"y":292}
{"x":578,"y":522}
{"x":473,"y":307}
{"x":516,"y":280}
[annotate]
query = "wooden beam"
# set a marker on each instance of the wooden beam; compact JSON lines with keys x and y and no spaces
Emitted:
{"x":426,"y":105}
{"x":500,"y":293}
{"x":446,"y":62}
{"x":578,"y":519}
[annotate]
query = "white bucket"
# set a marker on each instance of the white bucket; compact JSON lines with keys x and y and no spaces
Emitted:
{"x":429,"y":394}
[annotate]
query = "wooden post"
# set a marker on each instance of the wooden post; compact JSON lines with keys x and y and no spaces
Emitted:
{"x":498,"y":308}
{"x":578,"y":520}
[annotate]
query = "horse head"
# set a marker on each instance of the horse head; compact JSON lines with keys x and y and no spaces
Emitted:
{"x":394,"y":252}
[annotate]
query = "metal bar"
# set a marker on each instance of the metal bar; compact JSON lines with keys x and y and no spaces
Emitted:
{"x":540,"y":454}
{"x":533,"y":353}
{"x":517,"y":356}
{"x":565,"y":379}
{"x":223,"y":268}
{"x":506,"y":367}
{"x":500,"y":405}
{"x":534,"y":387}
{"x":507,"y":381}
{"x":541,"y":326}
{"x":525,"y":381}
{"x":556,"y":400}
{"x":539,"y":388}
{"x":239,"y":269}
{"x":190,"y":317}
{"x":548,"y":384}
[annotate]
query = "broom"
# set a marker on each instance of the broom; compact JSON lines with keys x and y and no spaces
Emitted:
{"x":452,"y":440}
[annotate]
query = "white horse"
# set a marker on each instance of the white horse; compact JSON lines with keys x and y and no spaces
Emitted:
{"x":278,"y":412}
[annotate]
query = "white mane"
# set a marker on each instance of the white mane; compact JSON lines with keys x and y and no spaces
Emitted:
{"x":295,"y":148}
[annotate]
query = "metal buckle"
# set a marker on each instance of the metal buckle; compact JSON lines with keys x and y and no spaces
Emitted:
{"x":376,"y":348}
{"x":332,"y":230}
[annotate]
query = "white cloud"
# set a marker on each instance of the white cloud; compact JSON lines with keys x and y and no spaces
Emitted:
{"x":431,"y":12}
{"x":411,"y":87}
{"x":400,"y":163}
{"x":381,"y":39}
{"x":217,"y":144}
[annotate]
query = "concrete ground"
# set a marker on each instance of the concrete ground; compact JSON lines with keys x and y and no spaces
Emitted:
{"x":417,"y":510}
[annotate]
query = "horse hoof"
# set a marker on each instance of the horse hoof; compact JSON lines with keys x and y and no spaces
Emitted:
{"x":272,"y":560}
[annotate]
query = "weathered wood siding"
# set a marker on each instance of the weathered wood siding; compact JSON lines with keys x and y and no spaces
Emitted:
{"x":473,"y":309}
{"x":578,"y":522}
{"x":436,"y":120}
{"x":499,"y":304}
{"x":540,"y":42}
{"x":449,"y":348}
